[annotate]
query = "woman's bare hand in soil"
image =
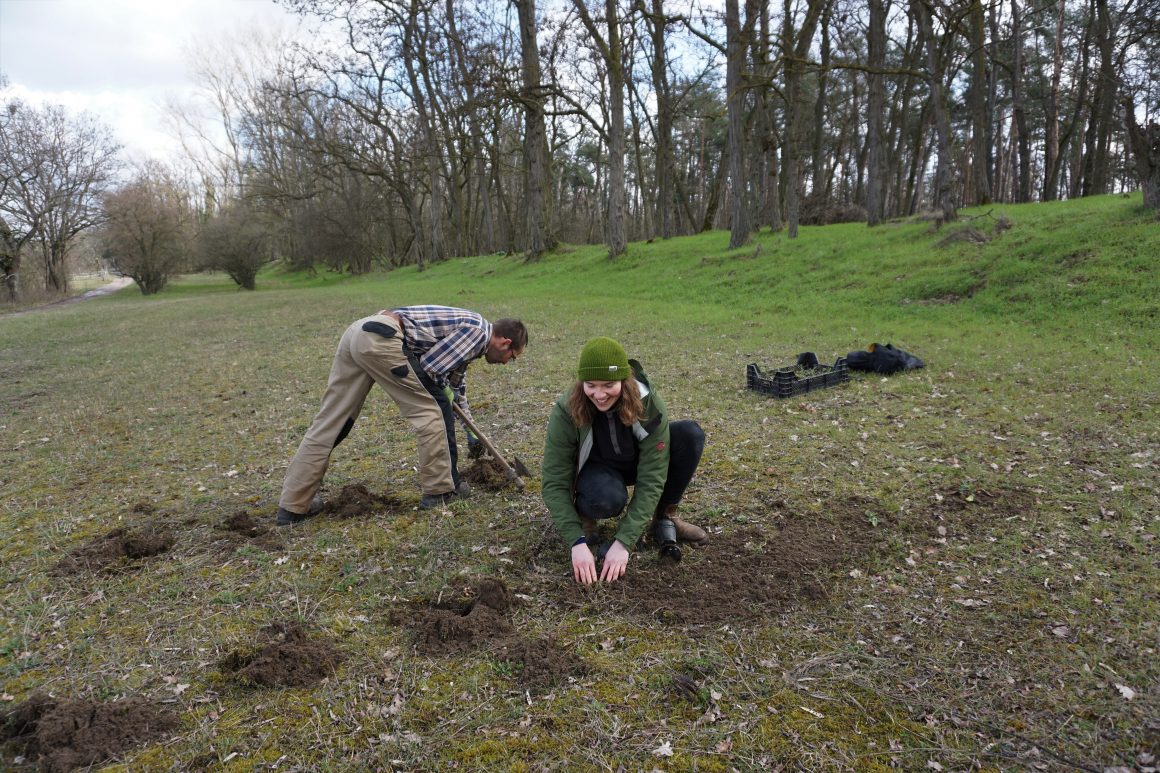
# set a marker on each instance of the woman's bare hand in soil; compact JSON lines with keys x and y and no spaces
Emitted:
{"x":583,"y":564}
{"x":615,"y":562}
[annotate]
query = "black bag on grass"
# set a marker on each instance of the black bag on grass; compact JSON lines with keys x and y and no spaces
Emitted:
{"x":883,"y":359}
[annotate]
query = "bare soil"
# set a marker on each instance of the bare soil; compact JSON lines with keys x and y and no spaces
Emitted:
{"x":64,"y":735}
{"x":241,"y":528}
{"x":356,"y":501}
{"x":117,"y":550}
{"x":285,"y":656}
{"x":487,"y":474}
{"x":481,"y":623}
{"x":739,"y":576}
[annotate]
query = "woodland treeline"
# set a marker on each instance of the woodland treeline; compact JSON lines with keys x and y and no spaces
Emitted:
{"x":411,"y":131}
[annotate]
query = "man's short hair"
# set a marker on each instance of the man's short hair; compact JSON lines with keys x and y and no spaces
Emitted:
{"x":513,"y":329}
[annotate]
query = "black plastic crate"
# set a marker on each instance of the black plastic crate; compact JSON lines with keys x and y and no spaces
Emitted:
{"x":785,"y":382}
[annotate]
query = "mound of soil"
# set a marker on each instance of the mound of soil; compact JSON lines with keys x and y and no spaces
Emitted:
{"x":481,"y":623}
{"x":487,"y":474}
{"x":356,"y":501}
{"x":113,"y":550}
{"x":739,"y":577}
{"x":286,"y":657}
{"x":65,"y":735}
{"x":243,"y":528}
{"x":454,"y":628}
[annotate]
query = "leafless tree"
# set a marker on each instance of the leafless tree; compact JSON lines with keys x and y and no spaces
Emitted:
{"x":148,"y":228}
{"x":237,"y":241}
{"x":612,"y":54}
{"x":53,"y":168}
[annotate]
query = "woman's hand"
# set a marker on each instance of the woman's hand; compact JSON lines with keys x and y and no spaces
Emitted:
{"x":583,"y":564}
{"x":615,"y":562}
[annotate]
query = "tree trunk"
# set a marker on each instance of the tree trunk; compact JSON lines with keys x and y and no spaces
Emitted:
{"x":818,"y":154}
{"x":1051,"y":143}
{"x":613,"y":56}
{"x":977,"y":102}
{"x":1145,"y":145}
{"x":617,"y":238}
{"x":1023,"y":186}
{"x":665,"y":208}
{"x":539,"y":239}
{"x":9,"y":261}
{"x":875,"y":170}
{"x":411,"y":55}
{"x":765,"y":130}
{"x":714,"y":200}
{"x":934,"y":73}
{"x":1105,"y":102}
{"x":796,"y":48}
{"x":739,"y":229}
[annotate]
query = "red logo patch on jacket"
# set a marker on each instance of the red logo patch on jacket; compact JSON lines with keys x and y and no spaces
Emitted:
{"x":661,"y":446}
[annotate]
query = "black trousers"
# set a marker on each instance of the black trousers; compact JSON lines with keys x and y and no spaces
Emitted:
{"x":602,"y":490}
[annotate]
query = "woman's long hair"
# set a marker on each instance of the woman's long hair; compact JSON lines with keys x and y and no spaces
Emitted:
{"x":629,"y":407}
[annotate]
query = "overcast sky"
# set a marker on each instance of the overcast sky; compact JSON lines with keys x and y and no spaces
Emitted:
{"x":118,"y":59}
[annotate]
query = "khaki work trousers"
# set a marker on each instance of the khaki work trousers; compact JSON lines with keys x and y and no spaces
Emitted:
{"x":363,"y":359}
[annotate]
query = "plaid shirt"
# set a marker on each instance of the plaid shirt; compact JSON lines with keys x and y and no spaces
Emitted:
{"x":445,"y":340}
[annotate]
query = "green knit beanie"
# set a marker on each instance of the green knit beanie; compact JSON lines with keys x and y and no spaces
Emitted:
{"x":603,"y":360}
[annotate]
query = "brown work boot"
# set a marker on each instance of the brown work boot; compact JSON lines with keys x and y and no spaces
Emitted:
{"x":686,"y":532}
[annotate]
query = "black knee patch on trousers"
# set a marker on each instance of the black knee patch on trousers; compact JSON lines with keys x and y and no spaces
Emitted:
{"x":401,"y":371}
{"x":343,"y":433}
{"x":440,"y":398}
{"x":378,"y":328}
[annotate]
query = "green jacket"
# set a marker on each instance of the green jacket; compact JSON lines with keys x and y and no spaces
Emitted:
{"x":568,"y":447}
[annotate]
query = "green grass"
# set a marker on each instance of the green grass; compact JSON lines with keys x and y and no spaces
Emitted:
{"x":998,"y":645}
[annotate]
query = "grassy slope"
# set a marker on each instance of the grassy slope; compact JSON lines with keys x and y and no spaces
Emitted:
{"x":1040,"y":390}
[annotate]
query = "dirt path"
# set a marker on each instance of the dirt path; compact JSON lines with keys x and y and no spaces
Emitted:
{"x":111,"y":287}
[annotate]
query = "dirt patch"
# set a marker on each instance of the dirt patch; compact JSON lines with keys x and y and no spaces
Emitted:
{"x":964,"y":511}
{"x":480,"y":623}
{"x":486,"y":473}
{"x":462,"y":625}
{"x":242,"y":528}
{"x":114,"y":551}
{"x":356,"y":501}
{"x":540,"y":663}
{"x":286,"y":657}
{"x":65,"y":735}
{"x":743,"y":576}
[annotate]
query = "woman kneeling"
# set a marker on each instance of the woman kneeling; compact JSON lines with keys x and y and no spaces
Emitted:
{"x":609,"y":432}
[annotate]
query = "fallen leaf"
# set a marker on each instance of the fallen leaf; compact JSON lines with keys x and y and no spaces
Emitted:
{"x":1126,"y":691}
{"x":971,"y":603}
{"x":664,"y":750}
{"x":932,"y":765}
{"x":725,"y":746}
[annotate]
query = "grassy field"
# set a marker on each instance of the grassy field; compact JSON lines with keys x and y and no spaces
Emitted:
{"x":954,"y":568}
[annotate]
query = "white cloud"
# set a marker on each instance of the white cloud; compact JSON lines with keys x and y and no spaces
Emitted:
{"x":118,"y":59}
